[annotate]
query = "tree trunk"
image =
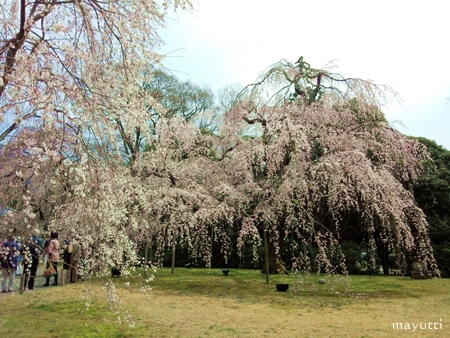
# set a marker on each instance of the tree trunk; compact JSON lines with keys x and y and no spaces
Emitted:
{"x":266,"y":256}
{"x":146,"y":259}
{"x":383,"y":253}
{"x":211,"y":246}
{"x":173,"y":258}
{"x":276,"y":265}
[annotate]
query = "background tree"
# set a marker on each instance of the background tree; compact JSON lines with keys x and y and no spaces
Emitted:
{"x":178,"y":98}
{"x":432,"y":192}
{"x":184,"y":99}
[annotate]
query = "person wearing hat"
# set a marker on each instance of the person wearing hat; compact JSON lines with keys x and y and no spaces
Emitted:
{"x":74,"y":259}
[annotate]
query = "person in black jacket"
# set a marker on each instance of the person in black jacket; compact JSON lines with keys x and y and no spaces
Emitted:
{"x":67,"y":254}
{"x":31,"y":253}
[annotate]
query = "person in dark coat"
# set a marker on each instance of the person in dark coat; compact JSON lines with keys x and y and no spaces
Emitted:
{"x":31,"y":254}
{"x":66,"y":260}
{"x":9,"y":262}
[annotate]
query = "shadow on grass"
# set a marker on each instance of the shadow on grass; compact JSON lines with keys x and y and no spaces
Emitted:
{"x":246,"y":284}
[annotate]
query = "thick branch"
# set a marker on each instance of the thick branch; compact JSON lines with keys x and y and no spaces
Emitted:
{"x":12,"y":46}
{"x":16,"y":124}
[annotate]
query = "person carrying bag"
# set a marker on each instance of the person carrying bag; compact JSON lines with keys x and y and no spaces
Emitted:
{"x":53,"y":259}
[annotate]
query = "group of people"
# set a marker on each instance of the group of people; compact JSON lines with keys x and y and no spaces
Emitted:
{"x":31,"y":251}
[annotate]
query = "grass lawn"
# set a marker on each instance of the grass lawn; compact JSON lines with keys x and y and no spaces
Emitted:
{"x":204,"y":303}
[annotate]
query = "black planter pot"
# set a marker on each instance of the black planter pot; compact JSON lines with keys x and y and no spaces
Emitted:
{"x":282,"y":287}
{"x":115,"y":272}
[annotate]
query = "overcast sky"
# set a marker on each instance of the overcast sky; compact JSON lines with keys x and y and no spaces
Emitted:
{"x":403,"y":44}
